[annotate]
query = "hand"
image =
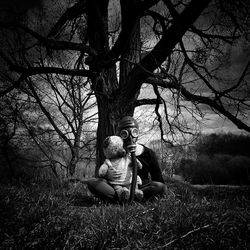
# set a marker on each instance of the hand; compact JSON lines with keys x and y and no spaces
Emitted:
{"x":139,"y":165}
{"x":131,"y":148}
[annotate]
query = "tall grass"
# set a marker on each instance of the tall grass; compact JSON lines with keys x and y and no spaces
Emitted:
{"x":41,"y":217}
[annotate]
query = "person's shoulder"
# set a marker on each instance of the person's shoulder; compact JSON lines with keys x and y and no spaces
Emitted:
{"x":146,"y":148}
{"x":142,"y":149}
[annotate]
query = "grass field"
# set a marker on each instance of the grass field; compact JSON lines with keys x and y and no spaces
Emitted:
{"x":46,"y":216}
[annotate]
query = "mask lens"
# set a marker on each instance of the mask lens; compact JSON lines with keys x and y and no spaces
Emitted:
{"x":124,"y":134}
{"x":134,"y":132}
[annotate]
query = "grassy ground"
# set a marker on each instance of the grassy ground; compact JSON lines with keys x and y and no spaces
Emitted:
{"x":63,"y":217}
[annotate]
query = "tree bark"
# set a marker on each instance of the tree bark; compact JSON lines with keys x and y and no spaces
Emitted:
{"x":106,"y":126}
{"x":105,"y":82}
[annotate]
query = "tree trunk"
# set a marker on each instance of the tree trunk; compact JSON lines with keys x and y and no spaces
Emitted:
{"x":108,"y":112}
{"x":105,"y":83}
{"x":106,"y":126}
{"x":130,"y":57}
{"x":73,"y":161}
{"x":75,"y":150}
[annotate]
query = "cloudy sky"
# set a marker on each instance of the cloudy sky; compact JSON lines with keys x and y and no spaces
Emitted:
{"x":211,"y":123}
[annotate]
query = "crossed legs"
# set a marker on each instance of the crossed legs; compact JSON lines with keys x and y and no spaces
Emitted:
{"x":101,"y":188}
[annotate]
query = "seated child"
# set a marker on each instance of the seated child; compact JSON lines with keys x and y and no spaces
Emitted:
{"x":117,"y":168}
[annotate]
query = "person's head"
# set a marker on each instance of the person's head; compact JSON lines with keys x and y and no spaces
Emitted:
{"x":128,"y":130}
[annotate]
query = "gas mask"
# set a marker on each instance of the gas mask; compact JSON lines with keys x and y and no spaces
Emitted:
{"x":130,"y":136}
{"x":129,"y":132}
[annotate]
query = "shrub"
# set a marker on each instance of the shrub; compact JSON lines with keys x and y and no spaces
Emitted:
{"x":230,"y":144}
{"x":185,"y":168}
{"x":218,"y":169}
{"x":239,"y":169}
{"x":26,"y":164}
{"x":208,"y":170}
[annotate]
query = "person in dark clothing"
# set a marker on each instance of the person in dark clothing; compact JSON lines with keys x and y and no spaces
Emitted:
{"x":150,"y":165}
{"x":150,"y":173}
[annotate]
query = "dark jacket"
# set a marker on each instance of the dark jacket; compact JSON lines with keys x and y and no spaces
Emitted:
{"x":150,"y":167}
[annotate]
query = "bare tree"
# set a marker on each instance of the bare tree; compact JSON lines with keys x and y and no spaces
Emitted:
{"x":183,"y":57}
{"x":8,"y":126}
{"x":69,"y":110}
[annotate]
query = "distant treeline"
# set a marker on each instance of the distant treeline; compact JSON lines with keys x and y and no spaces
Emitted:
{"x":230,"y":144}
{"x":221,"y":159}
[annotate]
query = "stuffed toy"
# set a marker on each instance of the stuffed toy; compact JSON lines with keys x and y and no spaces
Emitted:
{"x":117,"y":168}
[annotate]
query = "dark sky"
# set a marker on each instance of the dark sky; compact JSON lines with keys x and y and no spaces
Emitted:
{"x":239,"y":56}
{"x":16,"y":8}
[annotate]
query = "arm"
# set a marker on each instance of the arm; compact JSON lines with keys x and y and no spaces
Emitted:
{"x":150,"y":166}
{"x":139,"y":165}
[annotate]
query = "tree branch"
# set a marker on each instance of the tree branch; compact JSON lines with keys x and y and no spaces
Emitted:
{"x":162,"y":49}
{"x":47,"y":114}
{"x":213,"y":103}
{"x":15,"y":85}
{"x":227,"y":39}
{"x":142,"y":102}
{"x":73,"y":12}
{"x":216,"y":106}
{"x":175,"y":14}
{"x":51,"y":43}
{"x":50,"y":70}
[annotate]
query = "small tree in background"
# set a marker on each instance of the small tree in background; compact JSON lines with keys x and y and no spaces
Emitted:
{"x":8,"y":127}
